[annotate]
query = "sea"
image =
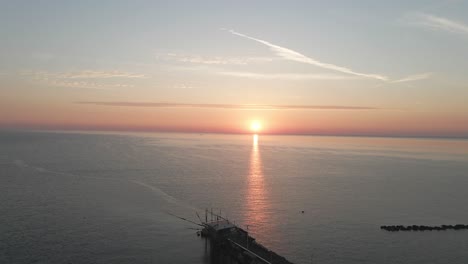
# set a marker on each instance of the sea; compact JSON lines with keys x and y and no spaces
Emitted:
{"x":75,"y":197}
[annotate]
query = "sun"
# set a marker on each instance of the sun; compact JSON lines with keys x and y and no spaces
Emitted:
{"x":255,"y":126}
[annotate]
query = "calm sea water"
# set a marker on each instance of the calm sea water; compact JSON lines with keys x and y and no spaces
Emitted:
{"x":107,"y":198}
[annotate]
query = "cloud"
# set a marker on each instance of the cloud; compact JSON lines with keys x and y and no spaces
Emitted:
{"x":292,"y":55}
{"x":230,"y":106}
{"x":213,"y":60}
{"x":82,"y":79}
{"x":102,"y":74}
{"x":182,"y":86}
{"x":415,"y":77}
{"x":87,"y":85}
{"x":287,"y":76}
{"x":437,"y":23}
{"x":87,"y":74}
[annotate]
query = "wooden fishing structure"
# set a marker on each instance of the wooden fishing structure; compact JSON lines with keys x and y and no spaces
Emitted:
{"x":234,"y":242}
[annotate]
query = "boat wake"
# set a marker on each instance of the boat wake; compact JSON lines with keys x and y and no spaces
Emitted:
{"x":165,"y":196}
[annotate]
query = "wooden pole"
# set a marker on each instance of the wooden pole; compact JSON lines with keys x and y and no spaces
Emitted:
{"x":247,"y":236}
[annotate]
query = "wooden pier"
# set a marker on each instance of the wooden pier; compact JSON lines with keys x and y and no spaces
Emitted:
{"x":236,"y":243}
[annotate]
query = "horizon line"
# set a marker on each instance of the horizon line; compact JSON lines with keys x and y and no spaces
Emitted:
{"x":173,"y":131}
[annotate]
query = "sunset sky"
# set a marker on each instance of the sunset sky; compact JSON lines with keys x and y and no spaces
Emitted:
{"x":391,"y":68}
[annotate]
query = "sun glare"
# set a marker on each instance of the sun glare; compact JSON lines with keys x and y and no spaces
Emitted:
{"x":255,"y":126}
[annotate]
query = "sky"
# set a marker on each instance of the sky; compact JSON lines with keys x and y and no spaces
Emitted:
{"x":382,"y":68}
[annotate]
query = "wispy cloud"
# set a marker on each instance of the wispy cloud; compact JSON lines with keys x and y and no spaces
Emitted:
{"x":86,"y":74}
{"x":415,"y":77}
{"x":287,"y":76}
{"x":212,"y":60}
{"x":102,"y":74}
{"x":182,"y":86}
{"x":87,"y":85}
{"x":231,"y":106}
{"x":83,"y":79}
{"x":437,"y":23}
{"x":292,"y":55}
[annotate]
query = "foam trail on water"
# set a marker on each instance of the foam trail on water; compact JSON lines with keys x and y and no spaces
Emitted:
{"x":168,"y":198}
{"x":165,"y":196}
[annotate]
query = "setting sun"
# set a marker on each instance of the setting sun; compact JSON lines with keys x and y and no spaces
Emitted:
{"x":255,"y":126}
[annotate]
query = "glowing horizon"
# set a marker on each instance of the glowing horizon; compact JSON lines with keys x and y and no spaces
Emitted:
{"x":216,"y":73}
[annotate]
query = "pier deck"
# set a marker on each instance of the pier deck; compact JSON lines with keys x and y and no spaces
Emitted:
{"x":238,"y":244}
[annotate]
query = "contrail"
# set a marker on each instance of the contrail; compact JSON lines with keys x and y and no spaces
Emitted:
{"x":292,"y":55}
{"x":412,"y":78}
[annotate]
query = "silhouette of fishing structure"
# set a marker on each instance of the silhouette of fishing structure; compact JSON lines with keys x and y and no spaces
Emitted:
{"x":396,"y":228}
{"x":232,"y":241}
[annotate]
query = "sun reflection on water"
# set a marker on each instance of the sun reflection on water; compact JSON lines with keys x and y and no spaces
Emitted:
{"x":257,"y":204}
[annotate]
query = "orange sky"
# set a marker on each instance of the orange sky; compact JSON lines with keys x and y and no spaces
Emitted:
{"x":180,"y":119}
{"x":387,"y":69}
